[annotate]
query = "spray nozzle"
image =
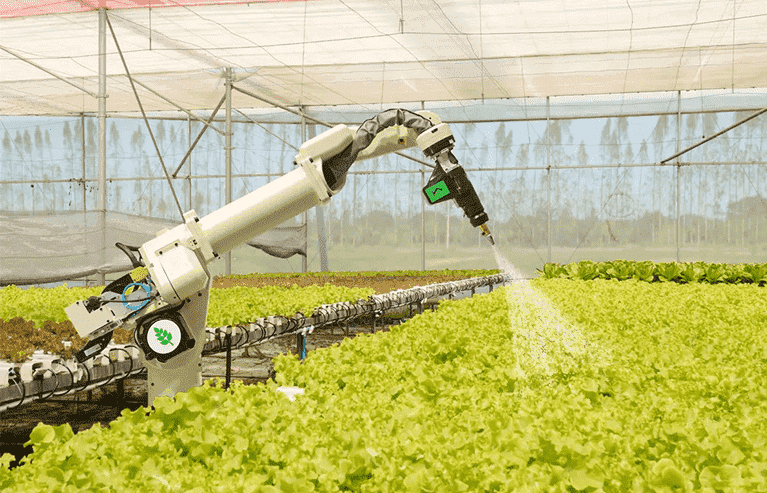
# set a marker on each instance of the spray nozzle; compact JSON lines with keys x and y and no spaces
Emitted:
{"x":486,"y":232}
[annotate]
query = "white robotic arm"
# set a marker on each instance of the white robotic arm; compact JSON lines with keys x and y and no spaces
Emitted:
{"x":165,"y":297}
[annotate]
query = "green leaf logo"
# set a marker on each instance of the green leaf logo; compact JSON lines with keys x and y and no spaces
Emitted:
{"x":163,"y":336}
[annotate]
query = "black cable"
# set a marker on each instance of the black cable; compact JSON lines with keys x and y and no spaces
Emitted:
{"x":137,"y":348}
{"x":260,"y":335}
{"x":243,"y":331}
{"x":336,"y":167}
{"x":88,"y":373}
{"x":288,"y":322}
{"x":40,"y":396}
{"x":129,"y":357}
{"x":21,"y":386}
{"x":274,"y":331}
{"x":248,"y":332}
{"x":71,"y":377}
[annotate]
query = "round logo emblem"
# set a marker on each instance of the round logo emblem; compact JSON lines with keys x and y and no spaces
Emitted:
{"x":163,"y":336}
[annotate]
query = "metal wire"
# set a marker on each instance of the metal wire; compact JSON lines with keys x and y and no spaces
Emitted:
{"x":143,"y":113}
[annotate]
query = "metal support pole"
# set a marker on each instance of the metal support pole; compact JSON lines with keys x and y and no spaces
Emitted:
{"x":301,"y":345}
{"x":59,"y":77}
{"x":423,"y":222}
{"x":228,"y":151}
{"x":82,"y":147}
{"x":322,"y":237}
{"x":189,"y":176}
{"x":711,"y":137}
{"x":548,"y":175}
{"x":678,"y":166}
{"x":170,"y":101}
{"x":304,"y":216}
{"x":103,"y":140}
{"x":199,"y":136}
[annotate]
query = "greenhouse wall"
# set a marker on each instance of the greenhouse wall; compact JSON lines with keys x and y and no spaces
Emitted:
{"x":560,"y":190}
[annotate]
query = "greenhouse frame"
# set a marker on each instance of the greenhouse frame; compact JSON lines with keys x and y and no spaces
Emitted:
{"x":590,"y":129}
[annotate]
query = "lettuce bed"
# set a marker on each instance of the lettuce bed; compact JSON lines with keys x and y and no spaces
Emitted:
{"x":227,"y":306}
{"x":629,"y":387}
{"x":34,"y":319}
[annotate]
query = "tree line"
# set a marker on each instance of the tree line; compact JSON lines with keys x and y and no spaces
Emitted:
{"x":604,"y":201}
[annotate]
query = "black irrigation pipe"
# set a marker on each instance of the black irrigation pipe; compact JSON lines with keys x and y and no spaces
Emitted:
{"x":35,"y":389}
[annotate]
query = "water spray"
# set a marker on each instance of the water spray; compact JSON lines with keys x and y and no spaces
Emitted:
{"x":543,"y":340}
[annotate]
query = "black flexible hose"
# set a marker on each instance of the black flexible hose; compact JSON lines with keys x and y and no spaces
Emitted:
{"x":88,"y":381}
{"x":21,"y":386}
{"x":71,"y":377}
{"x":40,"y":396}
{"x":335,"y":168}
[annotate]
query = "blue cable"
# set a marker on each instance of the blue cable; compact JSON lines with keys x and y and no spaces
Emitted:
{"x":145,"y":287}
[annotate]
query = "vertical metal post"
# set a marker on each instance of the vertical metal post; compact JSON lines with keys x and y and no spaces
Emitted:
{"x":423,"y":214}
{"x":548,"y":175}
{"x":102,"y":94}
{"x":82,"y":147}
{"x":304,"y":216}
{"x":189,"y":159}
{"x":678,"y":166}
{"x":319,"y":211}
{"x":301,"y":345}
{"x":228,"y":153}
{"x":85,"y":209}
{"x":423,"y":222}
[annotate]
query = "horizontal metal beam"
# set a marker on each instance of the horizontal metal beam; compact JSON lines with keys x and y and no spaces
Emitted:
{"x":266,"y":100}
{"x":525,"y":109}
{"x":390,"y":172}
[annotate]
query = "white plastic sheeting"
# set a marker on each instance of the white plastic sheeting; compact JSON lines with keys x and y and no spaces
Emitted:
{"x":68,"y":245}
{"x":376,"y":53}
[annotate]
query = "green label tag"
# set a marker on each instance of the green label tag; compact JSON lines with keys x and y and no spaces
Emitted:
{"x":437,"y":191}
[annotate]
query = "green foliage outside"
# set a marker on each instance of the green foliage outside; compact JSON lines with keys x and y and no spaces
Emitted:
{"x":624,"y":387}
{"x":681,"y":272}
